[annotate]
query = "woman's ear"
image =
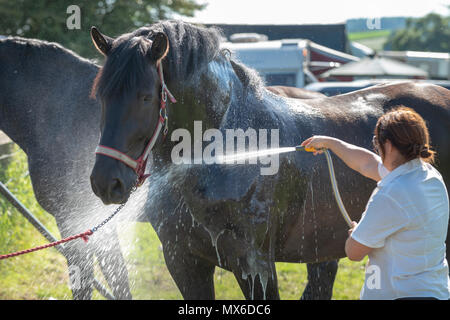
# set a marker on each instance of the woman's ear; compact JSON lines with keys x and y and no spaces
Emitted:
{"x":101,"y":42}
{"x":160,"y":47}
{"x":387,"y":147}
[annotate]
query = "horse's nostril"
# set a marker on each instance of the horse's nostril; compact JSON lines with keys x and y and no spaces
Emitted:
{"x":117,"y":187}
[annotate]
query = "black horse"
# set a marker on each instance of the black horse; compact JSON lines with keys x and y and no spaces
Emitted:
{"x":45,"y":109}
{"x":236,"y":218}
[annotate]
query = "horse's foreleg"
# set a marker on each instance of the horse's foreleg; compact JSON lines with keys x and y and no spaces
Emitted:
{"x":321,"y":278}
{"x":193,"y":276}
{"x":112,"y":263}
{"x":257,"y":278}
{"x":80,"y":264}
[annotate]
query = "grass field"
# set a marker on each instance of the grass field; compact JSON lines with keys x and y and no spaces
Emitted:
{"x":373,"y":39}
{"x":43,"y":274}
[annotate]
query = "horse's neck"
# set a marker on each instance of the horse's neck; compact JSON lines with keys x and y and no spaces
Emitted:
{"x":42,"y":100}
{"x":205,"y":98}
{"x":17,"y":109}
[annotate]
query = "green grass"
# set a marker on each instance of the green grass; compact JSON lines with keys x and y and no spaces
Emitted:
{"x":355,"y":36}
{"x":43,"y":274}
{"x":37,"y":275}
{"x":374,"y":39}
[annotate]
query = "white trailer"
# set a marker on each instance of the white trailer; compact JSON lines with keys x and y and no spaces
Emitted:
{"x":289,"y":62}
{"x":437,"y":64}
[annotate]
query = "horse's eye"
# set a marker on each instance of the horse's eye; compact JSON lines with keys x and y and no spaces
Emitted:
{"x":146,"y":98}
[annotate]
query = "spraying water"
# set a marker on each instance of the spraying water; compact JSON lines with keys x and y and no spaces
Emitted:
{"x":250,"y":155}
{"x":253,"y":154}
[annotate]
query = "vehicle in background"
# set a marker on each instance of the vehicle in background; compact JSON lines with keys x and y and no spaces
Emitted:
{"x":289,"y":62}
{"x":437,"y":64}
{"x":338,"y":87}
{"x":359,"y":50}
{"x":375,"y":67}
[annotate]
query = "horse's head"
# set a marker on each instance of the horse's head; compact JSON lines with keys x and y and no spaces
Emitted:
{"x":131,"y":87}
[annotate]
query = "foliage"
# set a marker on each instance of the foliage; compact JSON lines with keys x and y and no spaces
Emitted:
{"x":46,"y":19}
{"x":429,"y":33}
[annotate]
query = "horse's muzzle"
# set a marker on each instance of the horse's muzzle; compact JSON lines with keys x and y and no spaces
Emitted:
{"x":107,"y":182}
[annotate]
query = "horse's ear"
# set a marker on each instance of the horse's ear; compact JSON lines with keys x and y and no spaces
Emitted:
{"x":101,"y":42}
{"x":160,"y":46}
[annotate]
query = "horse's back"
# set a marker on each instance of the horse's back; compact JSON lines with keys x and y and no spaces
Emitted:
{"x":352,"y":117}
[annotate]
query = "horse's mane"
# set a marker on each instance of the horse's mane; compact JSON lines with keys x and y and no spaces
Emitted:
{"x":191,"y":49}
{"x":250,"y":79}
{"x":30,"y":46}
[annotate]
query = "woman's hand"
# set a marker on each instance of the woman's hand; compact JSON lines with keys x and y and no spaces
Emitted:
{"x":317,"y":142}
{"x":357,"y":158}
{"x":350,"y":231}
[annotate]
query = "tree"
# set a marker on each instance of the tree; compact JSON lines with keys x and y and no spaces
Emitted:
{"x":46,"y":19}
{"x":429,"y":33}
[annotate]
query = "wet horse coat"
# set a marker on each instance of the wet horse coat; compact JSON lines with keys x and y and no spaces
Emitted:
{"x":57,"y":126}
{"x":230,"y":215}
{"x":45,"y":109}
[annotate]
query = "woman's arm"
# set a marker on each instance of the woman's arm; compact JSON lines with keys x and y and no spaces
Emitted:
{"x":354,"y":250}
{"x":357,"y":158}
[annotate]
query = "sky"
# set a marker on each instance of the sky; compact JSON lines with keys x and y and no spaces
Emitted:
{"x":312,"y":11}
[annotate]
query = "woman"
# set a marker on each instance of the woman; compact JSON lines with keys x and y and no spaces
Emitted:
{"x":404,"y":226}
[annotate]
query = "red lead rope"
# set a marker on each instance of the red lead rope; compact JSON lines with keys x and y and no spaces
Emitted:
{"x":85,"y":236}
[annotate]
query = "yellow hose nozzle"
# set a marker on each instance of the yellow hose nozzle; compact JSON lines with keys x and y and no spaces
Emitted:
{"x":302,"y":148}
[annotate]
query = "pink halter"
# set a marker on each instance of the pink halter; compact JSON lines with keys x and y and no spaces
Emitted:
{"x":140,"y":164}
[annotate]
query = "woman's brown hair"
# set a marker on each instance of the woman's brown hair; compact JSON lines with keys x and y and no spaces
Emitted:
{"x":407,"y":132}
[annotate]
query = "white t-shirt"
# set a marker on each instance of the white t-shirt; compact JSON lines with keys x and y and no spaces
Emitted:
{"x":406,"y":221}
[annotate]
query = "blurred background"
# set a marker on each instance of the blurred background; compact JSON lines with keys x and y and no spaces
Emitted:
{"x":328,"y":46}
{"x":388,"y":36}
